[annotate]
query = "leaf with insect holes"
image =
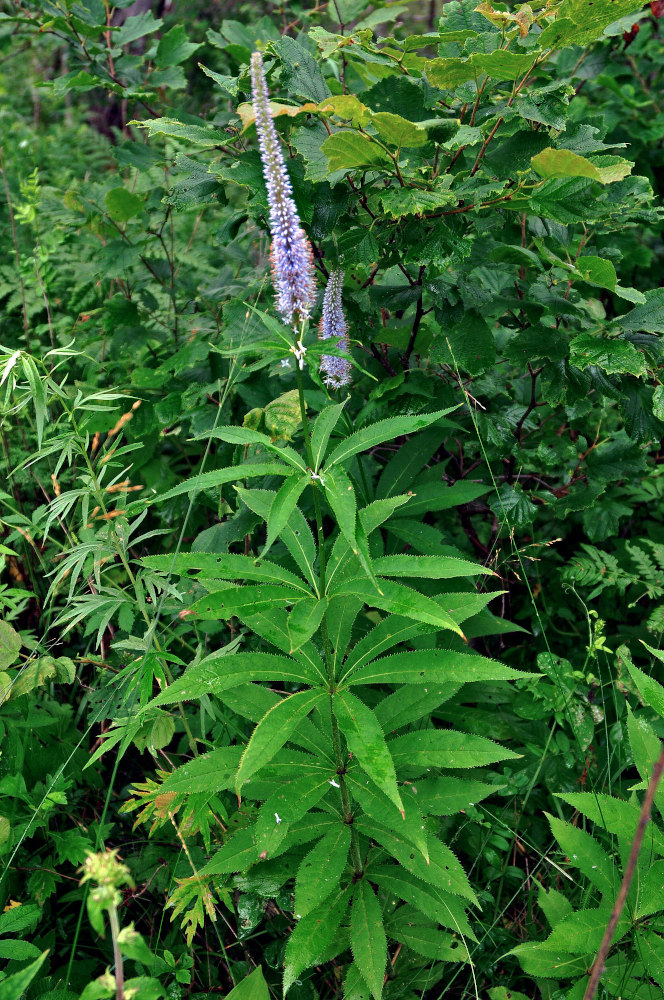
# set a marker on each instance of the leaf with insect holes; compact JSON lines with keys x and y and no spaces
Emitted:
{"x":366,"y":741}
{"x":221,"y":604}
{"x":274,"y":729}
{"x":225,"y":566}
{"x":320,"y":871}
{"x":367,"y":937}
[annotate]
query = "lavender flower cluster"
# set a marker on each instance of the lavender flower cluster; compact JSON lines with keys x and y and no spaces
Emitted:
{"x":336,"y":371}
{"x":291,"y":256}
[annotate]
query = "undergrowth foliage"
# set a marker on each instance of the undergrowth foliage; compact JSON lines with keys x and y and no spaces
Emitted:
{"x":332,"y":524}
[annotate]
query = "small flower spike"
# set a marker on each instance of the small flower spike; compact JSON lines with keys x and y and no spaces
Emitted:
{"x":336,"y":371}
{"x":292,"y":260}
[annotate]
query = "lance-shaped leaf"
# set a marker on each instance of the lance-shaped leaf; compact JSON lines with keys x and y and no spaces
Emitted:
{"x":433,"y":666}
{"x":384,"y":430}
{"x":225,"y":566}
{"x":210,"y":773}
{"x":443,"y":870}
{"x":320,"y":872}
{"x":387,"y":633}
{"x":341,"y":498}
{"x":304,"y":621}
{"x":296,"y":794}
{"x":253,"y":987}
{"x":428,"y":567}
{"x":218,"y":672}
{"x":376,"y":804}
{"x":323,"y":426}
{"x":217,"y":477}
{"x":400,"y":600}
{"x":367,"y":937}
{"x":282,"y":508}
{"x":442,"y":906}
{"x":366,"y":741}
{"x":445,"y":748}
{"x":313,"y":936}
{"x":274,"y":729}
{"x":246,"y":436}
{"x":296,"y":535}
{"x":650,"y":690}
{"x":222,"y":604}
{"x":236,"y":855}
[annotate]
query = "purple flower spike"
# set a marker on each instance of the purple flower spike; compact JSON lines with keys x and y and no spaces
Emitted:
{"x":336,"y":371}
{"x":292,"y":260}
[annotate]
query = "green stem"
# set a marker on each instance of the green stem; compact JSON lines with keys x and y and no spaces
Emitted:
{"x":117,"y":955}
{"x":329,"y":661}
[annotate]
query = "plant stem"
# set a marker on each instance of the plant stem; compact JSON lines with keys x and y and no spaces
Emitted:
{"x":329,"y":661}
{"x":117,"y":955}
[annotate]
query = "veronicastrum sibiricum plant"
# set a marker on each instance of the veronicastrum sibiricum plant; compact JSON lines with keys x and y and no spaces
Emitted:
{"x":340,"y":764}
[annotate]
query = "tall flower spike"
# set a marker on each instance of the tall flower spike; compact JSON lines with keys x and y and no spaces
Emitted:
{"x":291,"y":256}
{"x":336,"y":371}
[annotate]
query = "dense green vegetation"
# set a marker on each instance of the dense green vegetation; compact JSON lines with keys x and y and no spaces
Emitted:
{"x":348,"y":686}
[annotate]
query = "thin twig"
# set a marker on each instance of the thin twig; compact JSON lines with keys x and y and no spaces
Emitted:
{"x":644,"y":818}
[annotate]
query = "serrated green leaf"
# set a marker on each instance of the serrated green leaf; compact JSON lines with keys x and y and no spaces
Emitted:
{"x":367,"y":937}
{"x":218,"y":672}
{"x":443,"y":870}
{"x":366,"y":741}
{"x":341,"y":498}
{"x":384,"y":430}
{"x":650,"y":690}
{"x":224,"y":566}
{"x":320,"y":872}
{"x":38,"y":393}
{"x":445,"y":748}
{"x":218,"y":477}
{"x":583,"y":852}
{"x":252,"y":987}
{"x":376,"y":804}
{"x":412,"y":702}
{"x":439,"y":496}
{"x":296,"y":535}
{"x":432,"y":902}
{"x":174,"y":47}
{"x":304,"y":621}
{"x":237,"y":854}
{"x":598,"y":271}
{"x":274,"y":729}
{"x":400,"y":600}
{"x":323,"y":426}
{"x":615,"y":357}
{"x":312,"y":936}
{"x":427,"y":567}
{"x":221,"y":604}
{"x":400,"y":201}
{"x":211,"y":772}
{"x":614,"y":815}
{"x":432,"y":666}
{"x":282,"y":507}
